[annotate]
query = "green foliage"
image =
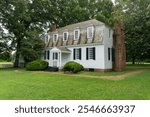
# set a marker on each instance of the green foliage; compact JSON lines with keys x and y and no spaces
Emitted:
{"x":67,"y":12}
{"x":104,"y":12}
{"x":135,"y":15}
{"x":137,"y":28}
{"x":73,"y":67}
{"x":5,"y":49}
{"x":32,"y":48}
{"x":21,"y":20}
{"x":37,"y":65}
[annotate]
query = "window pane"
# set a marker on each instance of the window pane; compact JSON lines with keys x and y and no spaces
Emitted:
{"x":77,"y":53}
{"x":76,"y":34}
{"x":65,"y":36}
{"x":90,"y":32}
{"x":91,"y":53}
{"x":55,"y":37}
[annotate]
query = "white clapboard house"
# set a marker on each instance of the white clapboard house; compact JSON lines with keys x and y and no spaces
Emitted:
{"x":88,"y":43}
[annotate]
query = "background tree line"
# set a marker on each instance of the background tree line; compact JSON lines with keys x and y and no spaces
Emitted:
{"x":26,"y":19}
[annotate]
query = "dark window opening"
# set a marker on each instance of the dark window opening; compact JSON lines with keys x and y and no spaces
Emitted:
{"x":48,"y":54}
{"x":108,"y":53}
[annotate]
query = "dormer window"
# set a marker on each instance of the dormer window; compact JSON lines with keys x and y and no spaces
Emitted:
{"x":76,"y":34}
{"x":47,"y":37}
{"x":90,"y":32}
{"x":55,"y":37}
{"x":65,"y":36}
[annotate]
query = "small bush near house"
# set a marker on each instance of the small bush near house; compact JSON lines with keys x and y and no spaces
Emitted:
{"x":37,"y":65}
{"x":73,"y":67}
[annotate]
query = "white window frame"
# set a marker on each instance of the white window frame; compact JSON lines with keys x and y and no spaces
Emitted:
{"x":64,"y":36}
{"x":77,"y":56}
{"x":78,"y":30}
{"x":47,"y":37}
{"x":54,"y":40}
{"x":88,"y":33}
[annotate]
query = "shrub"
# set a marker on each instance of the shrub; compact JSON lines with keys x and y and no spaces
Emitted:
{"x":73,"y":67}
{"x":37,"y":65}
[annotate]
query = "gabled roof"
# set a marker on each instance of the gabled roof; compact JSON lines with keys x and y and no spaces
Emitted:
{"x":80,"y":25}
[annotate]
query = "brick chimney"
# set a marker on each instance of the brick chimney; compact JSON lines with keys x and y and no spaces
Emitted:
{"x":119,"y":48}
{"x":53,"y":27}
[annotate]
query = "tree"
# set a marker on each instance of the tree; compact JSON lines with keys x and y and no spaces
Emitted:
{"x":137,"y":25}
{"x":135,"y":16}
{"x":5,"y":49}
{"x":31,"y":48}
{"x":67,"y":12}
{"x":20,"y":18}
{"x":105,"y":12}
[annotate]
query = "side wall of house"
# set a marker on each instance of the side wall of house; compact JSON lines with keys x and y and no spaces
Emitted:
{"x":108,"y":43}
{"x":98,"y":63}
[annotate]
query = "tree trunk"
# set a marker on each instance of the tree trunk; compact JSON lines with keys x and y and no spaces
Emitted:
{"x":16,"y":64}
{"x":133,"y":60}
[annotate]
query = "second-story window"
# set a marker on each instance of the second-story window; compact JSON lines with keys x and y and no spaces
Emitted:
{"x":76,"y":34}
{"x":47,"y":37}
{"x":55,"y":37}
{"x":90,"y":32}
{"x":65,"y":36}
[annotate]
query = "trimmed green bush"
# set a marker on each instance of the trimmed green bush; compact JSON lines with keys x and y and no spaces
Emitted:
{"x":73,"y":67}
{"x":37,"y":65}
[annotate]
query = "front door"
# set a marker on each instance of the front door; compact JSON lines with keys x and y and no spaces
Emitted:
{"x":55,"y":59}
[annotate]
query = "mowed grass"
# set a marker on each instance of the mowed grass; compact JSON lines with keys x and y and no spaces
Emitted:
{"x":6,"y":63}
{"x":18,"y":84}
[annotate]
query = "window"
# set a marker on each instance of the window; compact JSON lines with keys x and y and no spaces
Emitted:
{"x":48,"y":53}
{"x":65,"y":36}
{"x":76,"y":34}
{"x":55,"y":56}
{"x":109,"y":54}
{"x":47,"y":37}
{"x":90,"y":53}
{"x":90,"y":32}
{"x":55,"y":37}
{"x":77,"y":53}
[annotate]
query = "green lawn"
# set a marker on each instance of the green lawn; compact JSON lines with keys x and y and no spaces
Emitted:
{"x":6,"y":63}
{"x":20,"y":84}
